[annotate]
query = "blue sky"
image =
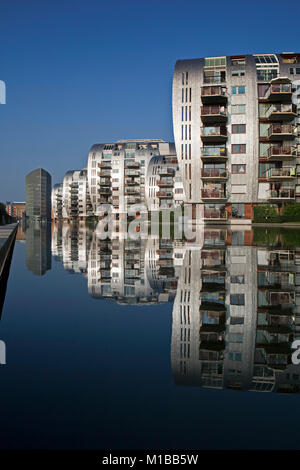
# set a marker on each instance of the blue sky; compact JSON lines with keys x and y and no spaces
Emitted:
{"x":80,"y":72}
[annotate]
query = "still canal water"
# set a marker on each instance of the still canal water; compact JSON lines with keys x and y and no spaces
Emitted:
{"x":153,"y":344}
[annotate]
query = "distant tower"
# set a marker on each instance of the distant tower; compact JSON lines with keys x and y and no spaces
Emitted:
{"x":38,"y":194}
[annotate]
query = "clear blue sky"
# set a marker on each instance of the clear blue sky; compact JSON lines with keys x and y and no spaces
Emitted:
{"x":80,"y":72}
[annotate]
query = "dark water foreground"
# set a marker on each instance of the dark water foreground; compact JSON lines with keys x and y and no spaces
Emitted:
{"x":155,"y":344}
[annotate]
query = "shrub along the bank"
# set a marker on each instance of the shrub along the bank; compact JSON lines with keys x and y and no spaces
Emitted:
{"x":267,"y":213}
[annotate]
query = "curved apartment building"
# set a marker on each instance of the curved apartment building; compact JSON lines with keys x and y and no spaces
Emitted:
{"x":235,"y":122}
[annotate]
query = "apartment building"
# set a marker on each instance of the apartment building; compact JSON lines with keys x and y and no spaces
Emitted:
{"x":236,"y":130}
{"x":117,"y":172}
{"x":38,"y":194}
{"x":72,"y":199}
{"x":16,"y":209}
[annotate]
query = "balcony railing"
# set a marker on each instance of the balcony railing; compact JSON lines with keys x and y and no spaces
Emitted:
{"x":166,"y":172}
{"x":282,"y":112}
{"x":281,"y":152}
{"x":281,"y":173}
{"x":214,"y":133}
{"x":279,"y":91}
{"x":213,"y":113}
{"x":165,"y":182}
{"x":218,"y":153}
{"x":213,"y":94}
{"x":282,"y":193}
{"x":104,"y":165}
{"x":213,"y":173}
{"x":281,"y":131}
{"x":164,"y":194}
{"x":213,"y":194}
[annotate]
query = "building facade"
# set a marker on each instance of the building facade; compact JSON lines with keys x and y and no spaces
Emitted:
{"x":38,"y":194}
{"x":236,"y":132}
{"x":16,"y":209}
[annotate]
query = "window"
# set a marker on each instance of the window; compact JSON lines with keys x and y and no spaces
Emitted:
{"x":238,"y":109}
{"x":235,"y":356}
{"x":237,"y":299}
{"x":238,"y":73}
{"x":237,"y":279}
{"x":238,"y":148}
{"x":235,"y":337}
{"x":238,"y":169}
{"x":214,"y":61}
{"x":238,"y":60}
{"x":236,"y":320}
{"x":238,"y":210}
{"x":238,"y":128}
{"x":238,"y":90}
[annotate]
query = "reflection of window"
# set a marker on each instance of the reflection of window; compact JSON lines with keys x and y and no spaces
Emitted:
{"x":235,"y":337}
{"x":236,"y":320}
{"x":238,"y":279}
{"x":237,"y":299}
{"x":237,"y":238}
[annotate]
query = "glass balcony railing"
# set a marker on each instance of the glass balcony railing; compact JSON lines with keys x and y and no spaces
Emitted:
{"x":282,"y":111}
{"x":281,"y":131}
{"x":280,"y":90}
{"x":282,"y":193}
{"x":213,"y":194}
{"x":217,"y":133}
{"x":281,"y":173}
{"x":285,"y":151}
{"x":213,"y":173}
{"x":213,"y":111}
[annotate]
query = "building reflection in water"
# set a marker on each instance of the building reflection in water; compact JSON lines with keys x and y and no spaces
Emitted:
{"x":235,"y":311}
{"x":38,"y":246}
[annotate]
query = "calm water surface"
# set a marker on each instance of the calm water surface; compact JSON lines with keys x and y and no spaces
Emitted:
{"x":153,"y":344}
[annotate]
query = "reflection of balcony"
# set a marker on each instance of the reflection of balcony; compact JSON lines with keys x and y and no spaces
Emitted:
{"x":105,"y":165}
{"x":281,"y":153}
{"x":105,"y":191}
{"x":213,"y":94}
{"x":215,"y":215}
{"x":213,"y":114}
{"x":132,"y":165}
{"x":166,"y":172}
{"x":213,"y":194}
{"x":282,"y":194}
{"x":281,"y":132}
{"x":214,"y":134}
{"x":279,"y":92}
{"x":282,"y":112}
{"x":214,"y":174}
{"x":278,"y":174}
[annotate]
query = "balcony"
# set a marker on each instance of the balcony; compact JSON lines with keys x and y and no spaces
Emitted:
{"x":213,"y":94}
{"x":105,"y":181}
{"x":105,"y":191}
{"x":166,"y":172}
{"x":282,"y":194}
{"x":214,"y":174}
{"x":132,"y":200}
{"x":132,"y":190}
{"x":278,"y":174}
{"x":132,"y":165}
{"x":281,"y":132}
{"x":165,"y":183}
{"x":282,"y":112}
{"x":213,"y":194}
{"x":281,"y":153}
{"x":213,"y":114}
{"x":279,"y":92}
{"x":164,"y":195}
{"x":214,"y":134}
{"x":214,"y":154}
{"x":104,"y":165}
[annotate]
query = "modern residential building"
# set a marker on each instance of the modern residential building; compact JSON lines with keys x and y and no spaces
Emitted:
{"x":72,"y":198}
{"x":117,"y":172}
{"x":236,"y":129}
{"x":38,"y":194}
{"x":57,"y":201}
{"x":16,"y":209}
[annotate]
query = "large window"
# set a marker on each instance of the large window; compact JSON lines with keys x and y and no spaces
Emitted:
{"x":238,"y":148}
{"x":238,"y":210}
